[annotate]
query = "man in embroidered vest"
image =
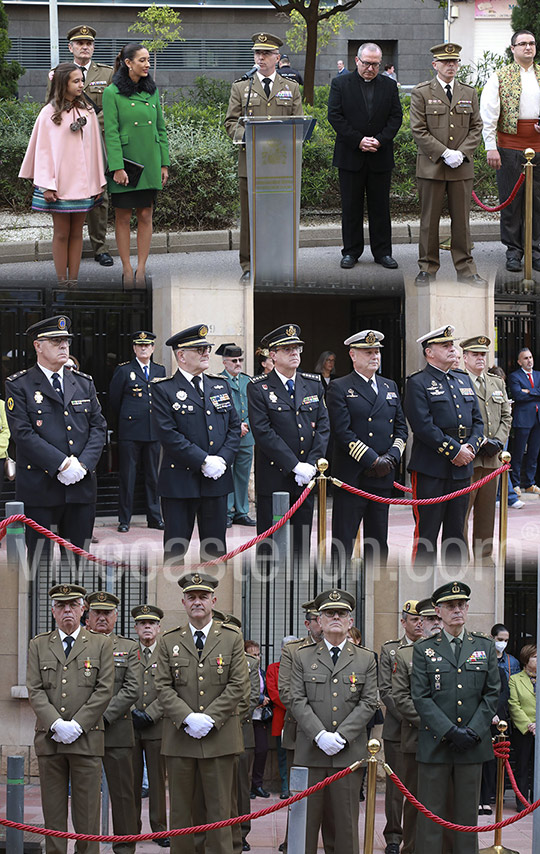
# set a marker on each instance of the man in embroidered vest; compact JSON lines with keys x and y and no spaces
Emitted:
{"x":510,"y":107}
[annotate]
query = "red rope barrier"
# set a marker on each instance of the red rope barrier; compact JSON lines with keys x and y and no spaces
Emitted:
{"x":184,"y":831}
{"x":502,"y":751}
{"x":402,"y":487}
{"x":509,"y":200}
{"x":411,"y":502}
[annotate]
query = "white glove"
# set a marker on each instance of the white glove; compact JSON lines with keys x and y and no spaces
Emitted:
{"x":198,"y":725}
{"x":452,"y":158}
{"x":214,"y":467}
{"x":66,"y":732}
{"x":73,"y":474}
{"x":303,"y":473}
{"x":330,"y":742}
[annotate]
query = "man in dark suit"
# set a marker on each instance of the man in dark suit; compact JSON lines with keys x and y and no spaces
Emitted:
{"x":289,"y":420}
{"x":447,"y":128}
{"x":130,"y":394}
{"x":369,"y":431}
{"x":56,"y":422}
{"x":199,"y":430}
{"x":443,"y":412}
{"x":365,"y":111}
{"x":455,"y":688}
{"x":524,"y":387}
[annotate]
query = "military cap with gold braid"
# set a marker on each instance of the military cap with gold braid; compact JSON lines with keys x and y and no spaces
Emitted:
{"x":437,"y":336}
{"x":450,"y":591}
{"x":143,"y":337}
{"x":451,"y":50}
{"x":284,"y":335}
{"x":51,"y":327}
{"x":410,"y":607}
{"x":477,"y":344}
{"x":80,"y":33}
{"x":309,"y":608}
{"x":425,"y":607}
{"x":366,"y":339}
{"x":194,"y":336}
{"x":102,"y":600}
{"x":266,"y":41}
{"x":197,"y":581}
{"x":335,"y":598}
{"x":146,"y":612}
{"x":67,"y":592}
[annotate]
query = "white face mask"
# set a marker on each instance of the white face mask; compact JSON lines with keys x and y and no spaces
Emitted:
{"x":500,"y":646}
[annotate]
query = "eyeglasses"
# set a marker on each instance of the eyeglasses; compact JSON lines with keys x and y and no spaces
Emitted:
{"x":449,"y":61}
{"x":328,"y":612}
{"x":204,"y":350}
{"x":78,"y":124}
{"x":291,"y":350}
{"x":525,"y":44}
{"x":367,"y":65}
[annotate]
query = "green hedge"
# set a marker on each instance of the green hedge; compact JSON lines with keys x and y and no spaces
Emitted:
{"x":202,"y":189}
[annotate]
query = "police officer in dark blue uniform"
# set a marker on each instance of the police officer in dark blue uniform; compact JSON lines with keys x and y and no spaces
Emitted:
{"x":199,"y":430}
{"x":289,"y":420}
{"x":443,"y":412}
{"x":56,"y":422}
{"x":369,"y":433}
{"x":130,"y":394}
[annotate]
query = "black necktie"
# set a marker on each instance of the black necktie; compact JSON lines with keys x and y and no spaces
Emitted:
{"x":448,"y":91}
{"x":197,"y":382}
{"x":335,"y":653}
{"x":83,"y":69}
{"x":199,"y":642}
{"x":69,"y":641}
{"x":56,"y":384}
{"x":457,"y":647}
{"x":372,"y":394}
{"x":266,"y":84}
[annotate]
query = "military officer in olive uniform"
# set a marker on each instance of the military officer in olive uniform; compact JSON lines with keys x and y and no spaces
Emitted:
{"x":56,"y":422}
{"x":369,"y":432}
{"x":119,"y":741}
{"x":393,"y":801}
{"x":333,"y":696}
{"x":130,"y":395}
{"x":447,"y":128}
{"x":289,"y":419}
{"x":496,"y":411}
{"x":410,"y":721}
{"x":455,"y":688}
{"x":147,"y":716}
{"x":265,"y":93}
{"x":70,"y":684}
{"x":201,"y":679}
{"x":199,"y":430}
{"x":442,"y":409}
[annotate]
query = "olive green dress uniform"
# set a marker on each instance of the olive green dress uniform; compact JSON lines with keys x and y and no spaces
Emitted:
{"x":78,"y":687}
{"x":216,"y":683}
{"x":449,"y":691}
{"x":119,"y":741}
{"x":245,"y":759}
{"x":148,"y":745}
{"x":391,"y":733}
{"x":342,"y":698}
{"x":410,"y":721}
{"x":285,"y":100}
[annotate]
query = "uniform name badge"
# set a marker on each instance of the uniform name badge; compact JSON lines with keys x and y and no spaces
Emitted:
{"x":219,"y":662}
{"x":87,"y":667}
{"x":353,"y":680}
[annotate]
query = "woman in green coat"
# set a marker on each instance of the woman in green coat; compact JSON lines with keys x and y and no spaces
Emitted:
{"x":134,"y":130}
{"x":522,"y":705}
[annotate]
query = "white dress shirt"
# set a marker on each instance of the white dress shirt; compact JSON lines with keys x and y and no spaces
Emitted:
{"x":490,"y":104}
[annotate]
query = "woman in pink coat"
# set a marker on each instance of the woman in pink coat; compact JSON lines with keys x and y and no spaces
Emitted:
{"x":64,"y":159}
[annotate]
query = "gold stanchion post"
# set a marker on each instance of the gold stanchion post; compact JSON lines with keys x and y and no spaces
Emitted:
{"x":497,"y":848}
{"x":528,"y":282}
{"x":322,"y":466}
{"x":505,"y":458}
{"x":373,"y":746}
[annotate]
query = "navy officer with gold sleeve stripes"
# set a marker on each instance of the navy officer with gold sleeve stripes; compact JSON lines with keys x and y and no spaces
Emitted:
{"x":370,"y":433}
{"x":289,"y":420}
{"x":443,"y":412}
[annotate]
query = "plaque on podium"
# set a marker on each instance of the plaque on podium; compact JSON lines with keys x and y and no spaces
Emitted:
{"x":274,"y":175}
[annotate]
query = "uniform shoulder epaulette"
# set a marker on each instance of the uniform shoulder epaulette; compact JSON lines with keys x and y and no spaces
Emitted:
{"x":161,"y":379}
{"x":103,"y":65}
{"x":170,"y":631}
{"x":458,"y":371}
{"x":296,"y":641}
{"x":414,"y":374}
{"x":308,"y":644}
{"x":397,"y":640}
{"x":231,"y":627}
{"x":310,"y":376}
{"x":258,"y":378}
{"x":216,"y":376}
{"x":121,"y":364}
{"x":481,"y":635}
{"x":17,"y":375}
{"x":80,"y":374}
{"x":124,"y":638}
{"x":43,"y":634}
{"x":423,"y":83}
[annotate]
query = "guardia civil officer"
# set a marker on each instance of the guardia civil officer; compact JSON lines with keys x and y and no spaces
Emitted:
{"x":70,"y":684}
{"x":455,"y":688}
{"x":393,"y":800}
{"x":201,"y":679}
{"x":119,"y":741}
{"x":147,"y":716}
{"x":334,"y":695}
{"x":130,"y":395}
{"x":370,"y":432}
{"x":56,"y":422}
{"x":289,"y":420}
{"x":443,"y":412}
{"x":199,"y":430}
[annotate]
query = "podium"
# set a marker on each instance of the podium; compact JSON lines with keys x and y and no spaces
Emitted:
{"x":274,"y":175}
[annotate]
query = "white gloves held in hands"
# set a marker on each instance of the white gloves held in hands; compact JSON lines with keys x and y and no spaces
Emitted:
{"x":73,"y":473}
{"x":330,"y":742}
{"x":214,"y":467}
{"x":198,"y":725}
{"x":65,"y":732}
{"x":452,"y":158}
{"x":303,"y":473}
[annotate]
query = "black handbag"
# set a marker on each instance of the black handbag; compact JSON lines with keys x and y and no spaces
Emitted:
{"x":133,"y":170}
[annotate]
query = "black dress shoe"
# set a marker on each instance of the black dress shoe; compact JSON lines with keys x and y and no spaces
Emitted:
{"x":163,"y":843}
{"x":284,"y":796}
{"x":348,"y":261}
{"x":158,"y":526}
{"x":424,"y":278}
{"x":388,"y":262}
{"x":245,"y":844}
{"x":281,"y":847}
{"x":472,"y":279}
{"x":246,"y":276}
{"x":259,"y":792}
{"x":229,"y":523}
{"x":252,"y":795}
{"x":244,"y":520}
{"x":514,"y":265}
{"x":392,"y":848}
{"x":122,"y":528}
{"x":104,"y":259}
